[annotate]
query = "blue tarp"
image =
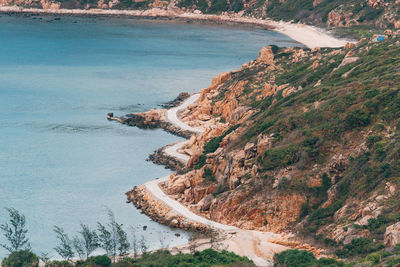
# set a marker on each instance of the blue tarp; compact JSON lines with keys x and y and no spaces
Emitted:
{"x":380,"y":38}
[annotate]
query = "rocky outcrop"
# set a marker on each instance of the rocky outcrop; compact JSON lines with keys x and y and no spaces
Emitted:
{"x":392,"y":235}
{"x":160,"y":212}
{"x":160,"y":157}
{"x":178,"y":100}
{"x":257,"y":170}
{"x":266,"y":55}
{"x":149,"y":120}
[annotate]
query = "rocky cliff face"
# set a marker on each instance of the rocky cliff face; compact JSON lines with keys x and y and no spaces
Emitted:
{"x":302,"y":140}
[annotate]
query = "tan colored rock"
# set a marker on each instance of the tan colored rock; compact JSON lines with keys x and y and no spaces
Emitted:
{"x":264,"y":142}
{"x":388,"y":32}
{"x":315,"y":50}
{"x":392,"y":235}
{"x":317,"y":2}
{"x":50,"y":4}
{"x":266,"y":55}
{"x":349,"y":46}
{"x":315,"y":65}
{"x":362,"y":40}
{"x":375,"y":3}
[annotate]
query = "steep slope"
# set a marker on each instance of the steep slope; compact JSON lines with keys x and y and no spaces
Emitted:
{"x":303,"y":141}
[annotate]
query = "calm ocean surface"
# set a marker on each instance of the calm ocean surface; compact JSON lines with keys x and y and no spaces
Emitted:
{"x":61,"y":161}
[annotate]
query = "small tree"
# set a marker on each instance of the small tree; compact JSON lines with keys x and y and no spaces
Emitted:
{"x":105,"y":239}
{"x":135,"y":243}
{"x":193,"y":246}
{"x":64,"y":249}
{"x":89,"y":241}
{"x":143,"y":245}
{"x":21,"y":258}
{"x":161,"y":239}
{"x":77,"y":244}
{"x":45,"y":257}
{"x":112,"y":237}
{"x":14,"y":231}
{"x":123,"y":243}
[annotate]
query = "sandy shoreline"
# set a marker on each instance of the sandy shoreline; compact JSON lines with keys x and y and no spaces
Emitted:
{"x":307,"y":35}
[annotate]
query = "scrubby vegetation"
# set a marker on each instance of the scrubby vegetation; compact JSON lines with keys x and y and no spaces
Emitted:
{"x":208,"y":257}
{"x":331,"y":118}
{"x":302,"y":258}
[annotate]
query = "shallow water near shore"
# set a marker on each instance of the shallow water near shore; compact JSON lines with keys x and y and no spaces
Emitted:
{"x":61,"y":161}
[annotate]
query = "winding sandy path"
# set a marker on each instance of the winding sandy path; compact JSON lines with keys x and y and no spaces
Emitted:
{"x":252,"y":244}
{"x":171,"y":115}
{"x":172,"y":150}
{"x":154,"y":188}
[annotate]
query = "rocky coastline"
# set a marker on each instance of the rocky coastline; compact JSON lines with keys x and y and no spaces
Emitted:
{"x":160,"y":157}
{"x":150,"y":120}
{"x":160,"y":212}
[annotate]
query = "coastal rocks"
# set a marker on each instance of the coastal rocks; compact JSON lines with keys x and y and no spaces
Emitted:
{"x":50,"y":4}
{"x":160,"y":157}
{"x":266,"y":56}
{"x":392,"y":235}
{"x":179,"y":99}
{"x":160,"y":212}
{"x":151,"y":119}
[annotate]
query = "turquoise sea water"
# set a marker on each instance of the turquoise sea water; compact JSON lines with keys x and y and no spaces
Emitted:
{"x":61,"y":161}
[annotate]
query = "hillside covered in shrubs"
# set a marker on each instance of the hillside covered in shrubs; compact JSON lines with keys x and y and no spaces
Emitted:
{"x":305,"y":141}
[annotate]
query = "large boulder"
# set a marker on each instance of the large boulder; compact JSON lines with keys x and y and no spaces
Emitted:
{"x":207,"y":202}
{"x":392,"y":235}
{"x":266,"y":55}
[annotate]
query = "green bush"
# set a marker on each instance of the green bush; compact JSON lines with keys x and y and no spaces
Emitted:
{"x":279,"y":157}
{"x":302,"y":258}
{"x":208,"y":257}
{"x":372,"y":139}
{"x":201,"y":162}
{"x":357,"y":118}
{"x":294,"y":258}
{"x":395,"y":261}
{"x":207,"y":175}
{"x":377,"y":257}
{"x":322,"y":215}
{"x":213,"y":144}
{"x":328,"y":262}
{"x":218,"y":6}
{"x":102,"y":260}
{"x":22,"y":258}
{"x":378,"y":225}
{"x":359,"y":246}
{"x":59,"y":264}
